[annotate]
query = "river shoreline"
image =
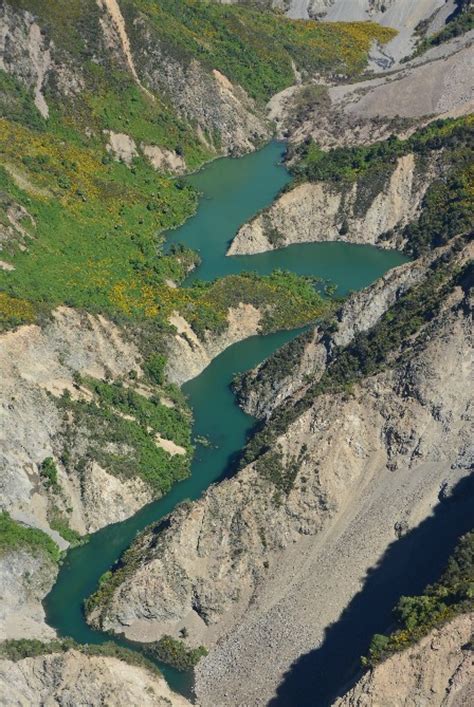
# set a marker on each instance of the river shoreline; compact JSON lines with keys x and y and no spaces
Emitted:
{"x":227,"y":430}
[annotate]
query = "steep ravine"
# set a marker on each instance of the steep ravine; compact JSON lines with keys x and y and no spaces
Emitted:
{"x":241,"y":567}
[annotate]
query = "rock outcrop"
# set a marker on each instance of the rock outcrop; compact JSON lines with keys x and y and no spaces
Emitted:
{"x":188,"y":355}
{"x":72,"y":678}
{"x":320,"y":211}
{"x":272,"y":556}
{"x":224,"y":117}
{"x":436,"y":671}
{"x":28,"y":54}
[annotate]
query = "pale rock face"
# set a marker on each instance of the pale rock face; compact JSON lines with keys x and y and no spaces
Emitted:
{"x":226,"y":118}
{"x":241,"y":571}
{"x":163,"y":159}
{"x":316,"y":212}
{"x":20,"y":227}
{"x":23,"y":51}
{"x":401,"y":15}
{"x":25,"y":578}
{"x":107,"y":499}
{"x":122,"y":146}
{"x":436,"y":671}
{"x":434,"y":85}
{"x":115,"y":32}
{"x":37,"y":365}
{"x":188,"y":355}
{"x":26,"y":54}
{"x":72,"y":678}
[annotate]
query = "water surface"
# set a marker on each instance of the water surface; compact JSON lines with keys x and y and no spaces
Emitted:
{"x":233,"y":190}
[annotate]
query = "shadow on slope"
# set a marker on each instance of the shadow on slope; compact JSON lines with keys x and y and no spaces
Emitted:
{"x":409,"y":564}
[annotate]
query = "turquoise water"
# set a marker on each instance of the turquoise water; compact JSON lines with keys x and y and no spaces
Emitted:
{"x":233,"y":190}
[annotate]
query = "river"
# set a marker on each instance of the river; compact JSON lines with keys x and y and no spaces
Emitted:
{"x":233,"y":190}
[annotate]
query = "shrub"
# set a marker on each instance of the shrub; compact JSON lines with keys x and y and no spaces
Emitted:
{"x":49,"y":473}
{"x":174,"y":652}
{"x":155,"y":368}
{"x":14,"y":536}
{"x":416,"y":616}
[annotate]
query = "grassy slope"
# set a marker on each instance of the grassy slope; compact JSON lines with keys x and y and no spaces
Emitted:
{"x":95,"y":242}
{"x":15,"y":536}
{"x":255,"y":49}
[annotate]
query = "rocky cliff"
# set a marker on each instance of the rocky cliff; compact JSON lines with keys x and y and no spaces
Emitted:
{"x":25,"y":579}
{"x":188,"y":355}
{"x":314,"y":212}
{"x":41,"y":365}
{"x":314,"y":512}
{"x":436,"y":671}
{"x":73,"y":678}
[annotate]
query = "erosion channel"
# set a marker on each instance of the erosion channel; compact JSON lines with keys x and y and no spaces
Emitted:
{"x":233,"y":190}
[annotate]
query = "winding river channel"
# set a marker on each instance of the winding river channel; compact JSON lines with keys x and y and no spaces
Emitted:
{"x":233,"y":190}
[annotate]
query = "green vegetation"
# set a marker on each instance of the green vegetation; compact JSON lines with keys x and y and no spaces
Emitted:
{"x":448,"y":205}
{"x":155,"y":368}
{"x":59,"y":521}
{"x":91,"y":226}
{"x":15,"y":311}
{"x":109,"y":98}
{"x":281,"y":475}
{"x":175,"y":652}
{"x":286,"y":301}
{"x":96,"y":223}
{"x":415,"y":617}
{"x":459,"y":22}
{"x":369,"y":353}
{"x":347,"y":164}
{"x":121,"y":427}
{"x":275,"y":369}
{"x":95,"y":244}
{"x":18,"y":649}
{"x":16,"y":536}
{"x":17,"y":103}
{"x":128,"y":563}
{"x":254,"y":48}
{"x":306,"y":100}
{"x":49,"y":473}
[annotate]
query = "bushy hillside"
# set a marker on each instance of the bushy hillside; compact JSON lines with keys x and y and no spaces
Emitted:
{"x":93,"y":117}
